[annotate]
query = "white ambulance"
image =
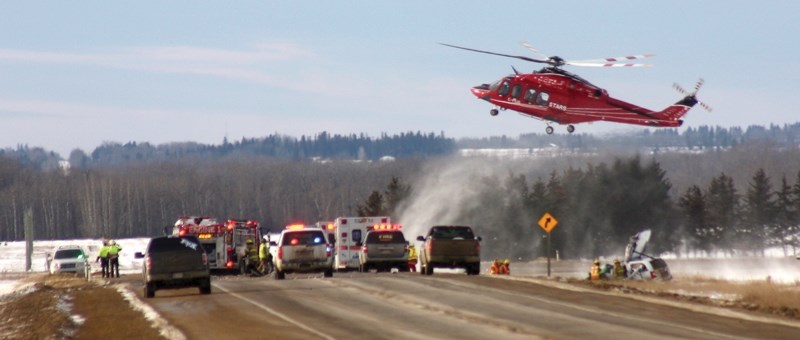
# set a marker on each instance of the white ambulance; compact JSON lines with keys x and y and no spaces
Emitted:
{"x":349,"y":237}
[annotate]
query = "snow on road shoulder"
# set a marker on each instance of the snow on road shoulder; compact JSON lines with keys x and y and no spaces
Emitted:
{"x":164,"y":328}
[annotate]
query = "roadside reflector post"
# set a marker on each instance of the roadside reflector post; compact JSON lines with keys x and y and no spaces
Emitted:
{"x":547,"y":223}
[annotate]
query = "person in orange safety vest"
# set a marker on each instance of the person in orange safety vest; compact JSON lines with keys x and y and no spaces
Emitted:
{"x":496,"y":267}
{"x":504,"y":267}
{"x":595,"y":271}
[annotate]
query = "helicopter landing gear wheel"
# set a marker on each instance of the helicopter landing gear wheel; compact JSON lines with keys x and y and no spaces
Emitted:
{"x":570,"y":128}
{"x":549,"y":130}
{"x":493,"y":112}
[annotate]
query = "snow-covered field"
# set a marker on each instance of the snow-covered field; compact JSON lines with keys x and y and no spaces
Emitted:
{"x":12,"y":257}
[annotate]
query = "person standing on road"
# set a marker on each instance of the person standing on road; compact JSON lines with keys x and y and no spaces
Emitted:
{"x":412,"y":258}
{"x":113,"y":258}
{"x":102,"y":257}
{"x":263,"y":256}
{"x":251,"y":253}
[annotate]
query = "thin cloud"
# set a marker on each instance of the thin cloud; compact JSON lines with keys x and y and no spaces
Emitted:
{"x":243,"y":65}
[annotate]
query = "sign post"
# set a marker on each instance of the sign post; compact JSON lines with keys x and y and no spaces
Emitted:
{"x":548,"y":222}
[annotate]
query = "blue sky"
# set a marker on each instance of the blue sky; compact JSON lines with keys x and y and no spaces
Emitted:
{"x":77,"y":74}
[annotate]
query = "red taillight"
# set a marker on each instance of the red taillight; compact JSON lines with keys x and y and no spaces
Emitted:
{"x":280,"y":253}
{"x":149,"y":263}
{"x":653,"y":275}
{"x":405,"y":249}
{"x":328,"y":249}
{"x":478,"y":247}
{"x":294,"y":242}
{"x":229,"y":250}
{"x":364,"y":249}
{"x":205,"y":258}
{"x":429,"y":246}
{"x":182,"y":232}
{"x":229,"y":264}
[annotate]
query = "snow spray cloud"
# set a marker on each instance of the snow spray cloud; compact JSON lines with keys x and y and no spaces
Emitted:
{"x":447,"y":193}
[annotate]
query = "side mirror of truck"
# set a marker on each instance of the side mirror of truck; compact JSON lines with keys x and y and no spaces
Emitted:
{"x":138,"y":255}
{"x":167,"y":230}
{"x":421,"y":238}
{"x":479,"y":238}
{"x":273,"y":244}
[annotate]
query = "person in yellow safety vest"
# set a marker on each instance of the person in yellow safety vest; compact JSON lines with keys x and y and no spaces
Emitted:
{"x":263,"y":255}
{"x":595,"y":272}
{"x":102,"y":257}
{"x":505,"y":267}
{"x":495,"y":268}
{"x":619,"y":270}
{"x":252,"y":255}
{"x":412,"y":258}
{"x":113,"y":258}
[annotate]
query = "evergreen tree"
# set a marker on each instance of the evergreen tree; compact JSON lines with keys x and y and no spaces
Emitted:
{"x":785,"y":215}
{"x":759,"y":213}
{"x":696,"y":219}
{"x":373,"y":206}
{"x":394,"y":195}
{"x":722,"y":202}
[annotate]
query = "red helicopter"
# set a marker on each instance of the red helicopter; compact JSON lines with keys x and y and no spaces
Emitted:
{"x":555,"y":95}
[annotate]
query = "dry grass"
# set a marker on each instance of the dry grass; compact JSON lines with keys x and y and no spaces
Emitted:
{"x":761,"y":296}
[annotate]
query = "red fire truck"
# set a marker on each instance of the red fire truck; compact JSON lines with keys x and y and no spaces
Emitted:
{"x":225,"y":243}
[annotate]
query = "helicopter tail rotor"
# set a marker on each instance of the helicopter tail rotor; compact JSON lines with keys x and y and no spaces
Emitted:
{"x":693,"y":94}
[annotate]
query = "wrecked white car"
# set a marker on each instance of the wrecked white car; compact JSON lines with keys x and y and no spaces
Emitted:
{"x":640,"y":266}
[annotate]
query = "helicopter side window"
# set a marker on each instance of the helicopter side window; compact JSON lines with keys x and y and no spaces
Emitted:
{"x":530,"y":96}
{"x":503,"y":89}
{"x":516,"y":91}
{"x":542,"y":98}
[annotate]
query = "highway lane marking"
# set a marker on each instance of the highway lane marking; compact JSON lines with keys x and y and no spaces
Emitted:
{"x":276,"y":313}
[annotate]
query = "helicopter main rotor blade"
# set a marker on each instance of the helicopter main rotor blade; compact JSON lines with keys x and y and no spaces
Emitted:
{"x":612,"y":62}
{"x":616,"y":59}
{"x":532,"y":49}
{"x":500,"y":54}
{"x":587,"y":64}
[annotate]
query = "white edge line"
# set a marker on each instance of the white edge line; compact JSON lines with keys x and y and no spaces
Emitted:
{"x":163,"y":327}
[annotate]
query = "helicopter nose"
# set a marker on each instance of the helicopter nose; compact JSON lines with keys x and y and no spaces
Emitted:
{"x":481,"y":91}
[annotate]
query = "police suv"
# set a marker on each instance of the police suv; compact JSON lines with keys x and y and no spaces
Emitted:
{"x":302,"y":249}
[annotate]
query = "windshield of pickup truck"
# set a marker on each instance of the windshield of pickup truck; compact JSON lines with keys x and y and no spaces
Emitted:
{"x":452,"y":232}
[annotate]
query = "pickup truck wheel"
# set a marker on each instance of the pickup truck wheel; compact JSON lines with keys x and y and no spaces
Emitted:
{"x":474,"y":269}
{"x":328,"y":272}
{"x":205,"y":286}
{"x":279,"y":275}
{"x":428,"y":270}
{"x":149,"y":290}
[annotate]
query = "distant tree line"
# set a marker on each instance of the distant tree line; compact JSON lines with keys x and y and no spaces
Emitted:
{"x":409,"y":144}
{"x":141,"y":198}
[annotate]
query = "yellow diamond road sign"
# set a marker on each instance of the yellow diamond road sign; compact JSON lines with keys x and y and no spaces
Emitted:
{"x":547,"y":222}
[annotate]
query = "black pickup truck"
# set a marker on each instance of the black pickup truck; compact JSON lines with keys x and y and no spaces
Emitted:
{"x":175,"y":262}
